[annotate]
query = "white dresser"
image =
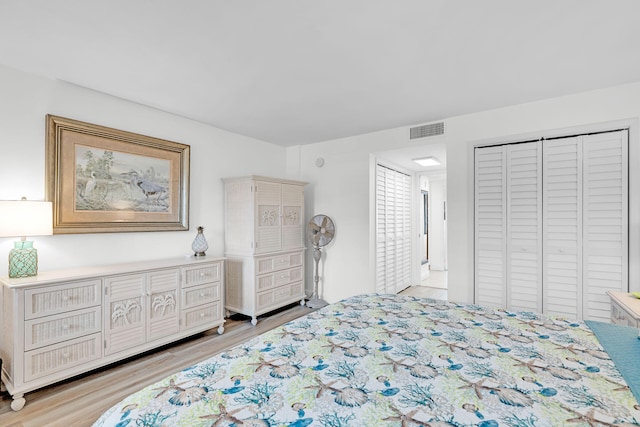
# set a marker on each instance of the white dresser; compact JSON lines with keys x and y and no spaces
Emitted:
{"x":62,"y":323}
{"x":264,"y":244}
{"x":625,"y":309}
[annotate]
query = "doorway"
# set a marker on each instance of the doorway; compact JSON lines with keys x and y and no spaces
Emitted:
{"x":424,"y":213}
{"x":433,"y":231}
{"x":428,"y":232}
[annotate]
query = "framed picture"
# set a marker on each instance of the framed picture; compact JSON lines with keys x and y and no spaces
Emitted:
{"x":104,"y":180}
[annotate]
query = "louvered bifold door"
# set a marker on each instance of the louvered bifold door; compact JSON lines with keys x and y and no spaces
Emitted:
{"x":490,"y":226}
{"x":562,"y":227}
{"x":605,"y":220}
{"x":403,"y":232}
{"x":393,"y":230}
{"x":381,"y":227}
{"x":524,"y":226}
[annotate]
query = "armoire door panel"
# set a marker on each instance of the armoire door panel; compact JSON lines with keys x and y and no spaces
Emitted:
{"x":292,"y":206}
{"x":268,"y":211}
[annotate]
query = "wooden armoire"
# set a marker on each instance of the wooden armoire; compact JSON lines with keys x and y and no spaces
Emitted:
{"x":264,"y":244}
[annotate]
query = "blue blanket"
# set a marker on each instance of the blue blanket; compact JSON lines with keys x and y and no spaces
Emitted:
{"x":622,"y":343}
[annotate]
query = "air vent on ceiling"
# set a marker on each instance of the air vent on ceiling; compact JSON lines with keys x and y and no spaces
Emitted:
{"x":432,"y":129}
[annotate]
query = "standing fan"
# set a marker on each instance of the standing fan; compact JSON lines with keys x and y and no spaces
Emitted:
{"x":320,"y":232}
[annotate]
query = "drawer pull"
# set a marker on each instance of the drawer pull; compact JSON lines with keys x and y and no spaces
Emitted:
{"x":202,"y":274}
{"x":202,"y":314}
{"x":202,"y":294}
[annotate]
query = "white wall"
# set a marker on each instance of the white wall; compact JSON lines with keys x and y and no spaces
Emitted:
{"x":423,"y":183}
{"x":437,"y":225}
{"x":25,"y":100}
{"x":343,"y":187}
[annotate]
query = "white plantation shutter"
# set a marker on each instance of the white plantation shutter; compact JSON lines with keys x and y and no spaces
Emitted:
{"x":524,"y":226}
{"x":490,"y":226}
{"x":562,"y":210}
{"x":605,"y":220}
{"x":393,"y":230}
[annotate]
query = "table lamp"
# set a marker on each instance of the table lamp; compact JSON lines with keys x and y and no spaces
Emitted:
{"x":22,"y":218}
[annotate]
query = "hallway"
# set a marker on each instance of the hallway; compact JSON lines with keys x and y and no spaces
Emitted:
{"x":434,"y":286}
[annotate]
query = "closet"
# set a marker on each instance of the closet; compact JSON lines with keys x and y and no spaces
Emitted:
{"x":393,"y":230}
{"x":551,"y":224}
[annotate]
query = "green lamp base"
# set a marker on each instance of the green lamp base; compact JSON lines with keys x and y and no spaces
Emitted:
{"x":23,"y":260}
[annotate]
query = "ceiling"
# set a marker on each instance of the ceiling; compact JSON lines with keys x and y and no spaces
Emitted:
{"x":298,"y":71}
{"x":404,"y":158}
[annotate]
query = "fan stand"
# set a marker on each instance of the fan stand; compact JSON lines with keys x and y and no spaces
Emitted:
{"x":315,"y":301}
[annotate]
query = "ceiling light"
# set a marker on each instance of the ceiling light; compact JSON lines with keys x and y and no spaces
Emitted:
{"x":427,"y":161}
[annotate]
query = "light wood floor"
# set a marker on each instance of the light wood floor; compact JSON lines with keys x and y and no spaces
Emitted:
{"x":79,"y":402}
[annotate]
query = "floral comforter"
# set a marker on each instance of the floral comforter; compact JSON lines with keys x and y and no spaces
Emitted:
{"x":388,"y":360}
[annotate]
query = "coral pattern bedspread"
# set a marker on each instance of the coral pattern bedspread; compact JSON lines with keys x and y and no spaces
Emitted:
{"x":388,"y":360}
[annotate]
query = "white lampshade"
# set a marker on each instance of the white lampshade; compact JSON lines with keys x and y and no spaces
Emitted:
{"x":21,"y":218}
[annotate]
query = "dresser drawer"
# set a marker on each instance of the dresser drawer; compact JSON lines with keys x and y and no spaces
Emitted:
{"x":198,"y":295}
{"x":61,"y":327}
{"x":278,"y":262}
{"x":48,"y":360}
{"x":281,"y":295}
{"x":203,"y":274}
{"x":58,"y":299}
{"x":201,"y":315}
{"x":278,"y":278}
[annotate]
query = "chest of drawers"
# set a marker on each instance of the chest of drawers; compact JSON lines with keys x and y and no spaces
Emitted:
{"x":270,"y":282}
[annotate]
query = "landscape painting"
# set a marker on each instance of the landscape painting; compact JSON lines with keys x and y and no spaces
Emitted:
{"x":107,"y":180}
{"x":115,"y":181}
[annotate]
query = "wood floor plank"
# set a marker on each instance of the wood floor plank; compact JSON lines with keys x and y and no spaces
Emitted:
{"x":80,"y":401}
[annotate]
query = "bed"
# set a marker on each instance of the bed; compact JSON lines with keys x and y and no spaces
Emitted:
{"x":391,"y":360}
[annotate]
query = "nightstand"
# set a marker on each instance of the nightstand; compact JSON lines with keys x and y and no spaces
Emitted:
{"x":625,"y":309}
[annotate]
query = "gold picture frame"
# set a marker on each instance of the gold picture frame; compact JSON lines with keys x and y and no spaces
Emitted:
{"x":104,"y":180}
